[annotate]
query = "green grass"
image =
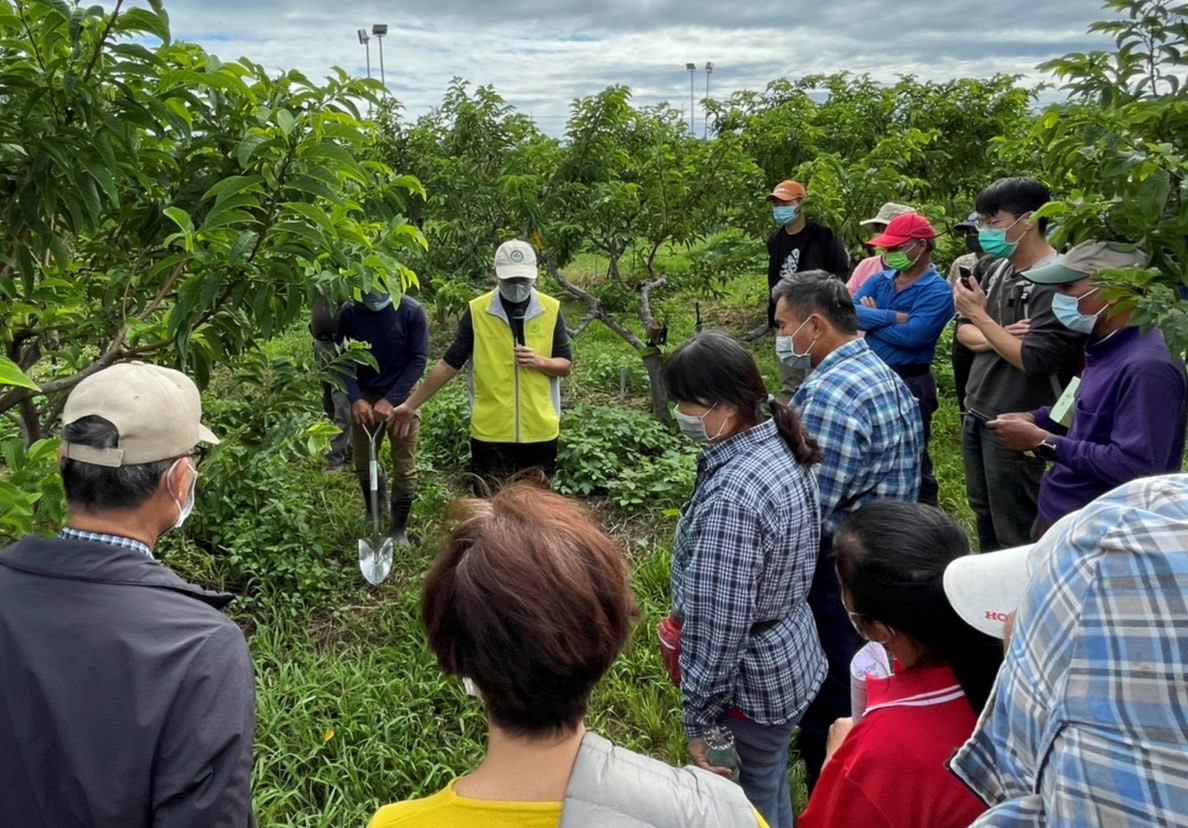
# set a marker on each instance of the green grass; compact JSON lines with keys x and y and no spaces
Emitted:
{"x":352,"y":710}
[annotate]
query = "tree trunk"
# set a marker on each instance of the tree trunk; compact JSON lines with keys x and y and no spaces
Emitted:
{"x":653,"y":362}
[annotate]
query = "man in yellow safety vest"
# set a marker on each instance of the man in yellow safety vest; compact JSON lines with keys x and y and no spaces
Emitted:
{"x":515,"y":340}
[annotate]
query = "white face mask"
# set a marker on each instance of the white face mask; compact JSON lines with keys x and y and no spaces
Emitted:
{"x":694,"y":427}
{"x":786,"y":352}
{"x":183,"y":511}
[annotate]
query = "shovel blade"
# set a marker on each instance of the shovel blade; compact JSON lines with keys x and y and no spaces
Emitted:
{"x":375,"y":563}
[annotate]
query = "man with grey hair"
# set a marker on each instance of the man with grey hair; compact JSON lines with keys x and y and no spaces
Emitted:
{"x":129,"y":698}
{"x":868,"y":426}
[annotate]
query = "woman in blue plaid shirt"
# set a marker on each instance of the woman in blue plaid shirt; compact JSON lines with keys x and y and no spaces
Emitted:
{"x":742,"y":563}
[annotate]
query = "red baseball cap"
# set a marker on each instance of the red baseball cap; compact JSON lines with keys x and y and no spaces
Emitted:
{"x":904,"y":228}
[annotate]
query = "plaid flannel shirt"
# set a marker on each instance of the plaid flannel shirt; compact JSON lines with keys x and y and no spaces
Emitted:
{"x":868,"y":426}
{"x":1088,"y":721}
{"x":110,"y":540}
{"x":742,"y":562}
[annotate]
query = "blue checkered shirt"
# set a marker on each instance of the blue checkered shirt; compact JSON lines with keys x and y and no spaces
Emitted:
{"x":110,"y":540}
{"x":1088,"y":721}
{"x":868,"y":426}
{"x":742,"y":562}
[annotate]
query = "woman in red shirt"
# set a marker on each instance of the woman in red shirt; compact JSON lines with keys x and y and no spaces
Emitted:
{"x":889,"y":769}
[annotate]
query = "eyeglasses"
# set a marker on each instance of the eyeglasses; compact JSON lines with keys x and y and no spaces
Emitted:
{"x":199,"y":454}
{"x":983,"y":223}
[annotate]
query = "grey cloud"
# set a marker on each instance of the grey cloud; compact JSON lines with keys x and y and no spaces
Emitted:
{"x":540,"y":56}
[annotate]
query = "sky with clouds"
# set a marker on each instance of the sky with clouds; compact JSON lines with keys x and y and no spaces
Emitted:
{"x":541,"y":55}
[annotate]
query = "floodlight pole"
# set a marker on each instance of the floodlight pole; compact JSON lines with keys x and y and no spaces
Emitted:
{"x":365,"y":39}
{"x":691,"y":67}
{"x":709,"y":69}
{"x":379,"y":30}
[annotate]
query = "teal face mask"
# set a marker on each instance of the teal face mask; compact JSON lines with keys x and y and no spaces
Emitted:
{"x":377,"y":301}
{"x":994,"y":241}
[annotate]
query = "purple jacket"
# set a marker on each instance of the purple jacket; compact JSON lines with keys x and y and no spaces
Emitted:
{"x":1130,"y":415}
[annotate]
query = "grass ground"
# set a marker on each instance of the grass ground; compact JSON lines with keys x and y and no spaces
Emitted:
{"x":353,"y":711}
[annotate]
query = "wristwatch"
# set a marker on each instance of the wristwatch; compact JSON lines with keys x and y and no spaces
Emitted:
{"x":1047,"y":449}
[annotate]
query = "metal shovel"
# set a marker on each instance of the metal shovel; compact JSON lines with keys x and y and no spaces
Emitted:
{"x":375,"y":555}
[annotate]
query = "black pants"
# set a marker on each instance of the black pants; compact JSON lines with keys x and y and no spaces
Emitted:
{"x":494,"y":463}
{"x":840,"y":641}
{"x":923,"y":388}
{"x":962,"y":360}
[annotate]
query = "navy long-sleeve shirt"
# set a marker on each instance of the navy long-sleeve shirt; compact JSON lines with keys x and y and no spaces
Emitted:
{"x":399,"y":340}
{"x":1128,"y":421}
{"x":928,"y":302}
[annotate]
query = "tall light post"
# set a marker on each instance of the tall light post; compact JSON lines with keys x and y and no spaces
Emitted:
{"x":379,"y":30}
{"x":691,"y":67}
{"x":709,"y":70}
{"x":365,"y":41}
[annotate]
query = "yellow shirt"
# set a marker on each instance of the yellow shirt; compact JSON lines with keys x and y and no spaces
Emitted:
{"x":446,"y":809}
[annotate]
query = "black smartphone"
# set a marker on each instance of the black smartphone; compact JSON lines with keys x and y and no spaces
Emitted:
{"x":965,"y":274}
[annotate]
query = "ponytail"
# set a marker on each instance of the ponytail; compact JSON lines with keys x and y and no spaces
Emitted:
{"x":803,"y":447}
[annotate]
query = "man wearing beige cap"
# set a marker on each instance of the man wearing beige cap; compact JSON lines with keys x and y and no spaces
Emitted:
{"x":1125,"y":418}
{"x":798,"y":244}
{"x":1085,"y":725}
{"x":514,"y":339}
{"x":129,"y":698}
{"x":874,"y":264}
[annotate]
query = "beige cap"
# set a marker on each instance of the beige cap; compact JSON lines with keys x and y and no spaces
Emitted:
{"x":157,"y":412}
{"x":887,"y":212}
{"x":1086,"y":259}
{"x":515,"y":259}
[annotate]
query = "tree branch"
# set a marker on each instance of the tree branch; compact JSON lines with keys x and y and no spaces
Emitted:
{"x":593,"y":304}
{"x":645,"y":301}
{"x":574,"y":333}
{"x":16,"y":396}
{"x":756,"y":333}
{"x":99,"y":46}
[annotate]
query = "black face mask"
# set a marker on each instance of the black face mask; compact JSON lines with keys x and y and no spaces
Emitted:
{"x":972,"y":244}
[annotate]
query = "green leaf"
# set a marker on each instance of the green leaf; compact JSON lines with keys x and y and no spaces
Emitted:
{"x":1153,"y":193}
{"x":11,"y":374}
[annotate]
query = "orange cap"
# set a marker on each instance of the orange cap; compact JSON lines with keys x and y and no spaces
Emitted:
{"x":787,"y":191}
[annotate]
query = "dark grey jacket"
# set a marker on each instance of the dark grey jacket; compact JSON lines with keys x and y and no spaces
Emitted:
{"x":126,"y":698}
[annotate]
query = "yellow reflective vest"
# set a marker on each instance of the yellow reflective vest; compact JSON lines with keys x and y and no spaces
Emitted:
{"x":510,"y":404}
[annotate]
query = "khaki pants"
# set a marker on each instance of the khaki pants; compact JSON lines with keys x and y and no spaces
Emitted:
{"x":404,"y":453}
{"x":789,"y":381}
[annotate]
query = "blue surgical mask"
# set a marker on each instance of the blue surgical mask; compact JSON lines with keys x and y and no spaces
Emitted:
{"x":785,"y":214}
{"x":1067,"y":310}
{"x":377,"y":301}
{"x":786,"y":352}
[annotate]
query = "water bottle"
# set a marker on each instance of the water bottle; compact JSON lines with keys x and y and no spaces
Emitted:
{"x":722,"y":754}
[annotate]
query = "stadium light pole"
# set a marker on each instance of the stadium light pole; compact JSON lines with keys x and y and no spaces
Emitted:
{"x":691,"y":67}
{"x":379,"y":30}
{"x":365,"y":42}
{"x":709,"y":70}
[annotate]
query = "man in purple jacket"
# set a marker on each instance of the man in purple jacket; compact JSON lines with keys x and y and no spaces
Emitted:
{"x":1128,"y":415}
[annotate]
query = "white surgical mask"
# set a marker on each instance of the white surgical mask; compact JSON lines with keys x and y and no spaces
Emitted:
{"x":183,"y":510}
{"x":786,"y":352}
{"x":694,"y":427}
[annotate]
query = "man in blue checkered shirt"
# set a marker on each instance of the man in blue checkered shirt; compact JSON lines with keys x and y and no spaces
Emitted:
{"x":1087,"y":722}
{"x":868,"y":426}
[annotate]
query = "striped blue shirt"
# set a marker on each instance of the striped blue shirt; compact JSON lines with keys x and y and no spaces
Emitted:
{"x":868,"y":426}
{"x":110,"y":540}
{"x":1088,"y":721}
{"x":742,"y":561}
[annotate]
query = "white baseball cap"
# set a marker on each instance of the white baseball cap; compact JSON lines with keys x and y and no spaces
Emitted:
{"x":984,"y":589}
{"x":515,"y":259}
